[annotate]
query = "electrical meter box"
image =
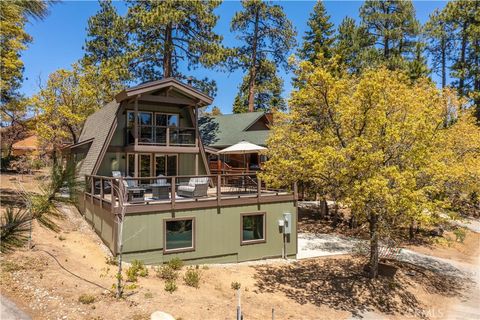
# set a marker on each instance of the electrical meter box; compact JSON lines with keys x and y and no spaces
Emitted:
{"x":287,"y":227}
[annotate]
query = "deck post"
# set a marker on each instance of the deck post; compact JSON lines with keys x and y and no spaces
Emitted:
{"x":135,"y":121}
{"x":92,"y":191}
{"x":112,"y":193}
{"x":219,"y":190}
{"x":173,"y":195}
{"x":101,"y":193}
{"x":259,"y":187}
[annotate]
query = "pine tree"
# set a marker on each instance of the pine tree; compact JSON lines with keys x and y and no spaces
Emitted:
{"x":268,"y":93}
{"x":464,"y":17}
{"x":354,"y":46}
{"x":167,"y":34}
{"x":267,"y":37}
{"x":395,"y":28}
{"x":107,"y":35}
{"x":438,"y":34}
{"x":318,"y":39}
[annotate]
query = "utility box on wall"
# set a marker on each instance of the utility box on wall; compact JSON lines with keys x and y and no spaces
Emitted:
{"x":287,"y":227}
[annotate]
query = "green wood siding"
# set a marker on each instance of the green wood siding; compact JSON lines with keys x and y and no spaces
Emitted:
{"x":217,"y":235}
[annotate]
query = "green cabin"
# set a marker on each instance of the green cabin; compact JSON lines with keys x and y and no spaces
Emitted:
{"x":141,"y":157}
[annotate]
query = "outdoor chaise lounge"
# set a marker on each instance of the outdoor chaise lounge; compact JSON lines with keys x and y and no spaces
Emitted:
{"x":196,"y":187}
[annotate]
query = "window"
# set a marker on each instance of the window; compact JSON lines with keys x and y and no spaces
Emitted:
{"x":179,"y":235}
{"x":165,"y":119}
{"x":166,"y":165}
{"x":253,"y":228}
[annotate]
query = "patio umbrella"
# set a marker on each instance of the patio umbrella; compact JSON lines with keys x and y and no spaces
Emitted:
{"x":242,"y":147}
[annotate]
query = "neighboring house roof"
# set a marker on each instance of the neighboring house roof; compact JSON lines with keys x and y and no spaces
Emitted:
{"x":225,"y":130}
{"x":29,"y":143}
{"x":97,"y":130}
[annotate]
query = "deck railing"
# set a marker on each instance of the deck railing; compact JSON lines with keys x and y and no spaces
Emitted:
{"x":162,"y":135}
{"x":170,"y":192}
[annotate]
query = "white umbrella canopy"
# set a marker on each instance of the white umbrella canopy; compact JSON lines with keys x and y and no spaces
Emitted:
{"x":242,"y":147}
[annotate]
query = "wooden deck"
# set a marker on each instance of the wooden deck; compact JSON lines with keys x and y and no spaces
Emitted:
{"x":223,"y":196}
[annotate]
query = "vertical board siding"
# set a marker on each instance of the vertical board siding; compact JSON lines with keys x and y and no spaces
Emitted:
{"x":217,"y":235}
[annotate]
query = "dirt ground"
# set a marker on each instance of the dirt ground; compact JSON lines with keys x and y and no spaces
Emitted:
{"x":48,"y":280}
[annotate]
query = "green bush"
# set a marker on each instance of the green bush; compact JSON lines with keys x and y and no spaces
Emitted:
{"x":111,"y":261}
{"x":175,"y":263}
{"x":167,"y":273}
{"x":137,"y":269}
{"x":460,"y":234}
{"x":170,"y":286}
{"x":192,"y":277}
{"x":235,"y":285}
{"x":86,"y":299}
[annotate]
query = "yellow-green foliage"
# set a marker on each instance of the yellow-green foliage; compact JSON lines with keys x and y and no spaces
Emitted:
{"x":167,"y":273}
{"x":137,"y":269}
{"x":170,"y":286}
{"x":86,"y":299}
{"x":175,"y":263}
{"x":386,"y":147}
{"x":192,"y":277}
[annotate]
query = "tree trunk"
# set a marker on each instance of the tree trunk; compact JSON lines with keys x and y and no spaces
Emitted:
{"x":411,"y":230}
{"x":444,"y":62}
{"x":167,"y":56}
{"x":463,"y":50}
{"x":253,"y":69}
{"x":373,"y":264}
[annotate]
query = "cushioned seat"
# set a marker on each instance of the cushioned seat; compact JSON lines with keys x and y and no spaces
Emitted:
{"x":197,"y":187}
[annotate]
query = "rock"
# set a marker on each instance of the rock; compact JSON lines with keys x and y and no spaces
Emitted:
{"x":159,"y":315}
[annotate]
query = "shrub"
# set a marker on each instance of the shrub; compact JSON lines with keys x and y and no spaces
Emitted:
{"x":148,"y":295}
{"x":111,"y":261}
{"x":170,"y":286}
{"x":175,"y":263}
{"x":235,"y":285}
{"x":460,"y":234}
{"x":192,"y":278}
{"x":86,"y":299}
{"x":167,"y":273}
{"x":137,"y":269}
{"x":62,"y":238}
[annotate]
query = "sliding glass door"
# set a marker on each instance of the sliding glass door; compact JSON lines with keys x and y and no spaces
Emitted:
{"x":165,"y":165}
{"x":152,"y":165}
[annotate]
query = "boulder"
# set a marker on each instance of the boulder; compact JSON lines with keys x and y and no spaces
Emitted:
{"x":159,"y":315}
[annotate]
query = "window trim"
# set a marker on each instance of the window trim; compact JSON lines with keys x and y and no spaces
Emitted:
{"x":257,"y":241}
{"x":179,"y":250}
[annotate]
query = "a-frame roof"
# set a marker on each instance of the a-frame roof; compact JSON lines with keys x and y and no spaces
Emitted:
{"x":201,"y":98}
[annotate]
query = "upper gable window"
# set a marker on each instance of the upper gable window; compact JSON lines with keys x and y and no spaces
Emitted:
{"x":165,"y":119}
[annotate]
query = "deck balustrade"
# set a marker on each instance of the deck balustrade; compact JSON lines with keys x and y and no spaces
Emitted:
{"x":147,"y":194}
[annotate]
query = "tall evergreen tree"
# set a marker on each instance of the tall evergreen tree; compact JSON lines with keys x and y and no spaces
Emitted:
{"x":395,"y":28}
{"x":354,"y":46}
{"x":168,"y":34}
{"x":438,"y":34}
{"x":268,"y":90}
{"x":267,"y":36}
{"x":318,"y":39}
{"x":105,"y":61}
{"x":107,"y":36}
{"x":464,"y":17}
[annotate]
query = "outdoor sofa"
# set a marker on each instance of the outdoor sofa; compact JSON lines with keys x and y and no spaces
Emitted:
{"x":196,"y":187}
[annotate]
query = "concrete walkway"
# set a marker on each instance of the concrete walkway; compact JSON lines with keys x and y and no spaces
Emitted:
{"x":9,"y":311}
{"x":321,"y":245}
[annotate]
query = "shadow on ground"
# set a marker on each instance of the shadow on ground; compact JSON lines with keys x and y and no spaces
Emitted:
{"x":340,"y":284}
{"x":11,"y":198}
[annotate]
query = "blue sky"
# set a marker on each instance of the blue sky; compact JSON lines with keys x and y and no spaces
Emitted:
{"x":58,"y":40}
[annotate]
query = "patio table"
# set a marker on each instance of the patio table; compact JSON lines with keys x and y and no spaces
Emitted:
{"x":160,"y":191}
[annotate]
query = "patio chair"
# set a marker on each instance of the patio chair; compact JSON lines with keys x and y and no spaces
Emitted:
{"x":135,"y":193}
{"x":196,"y":187}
